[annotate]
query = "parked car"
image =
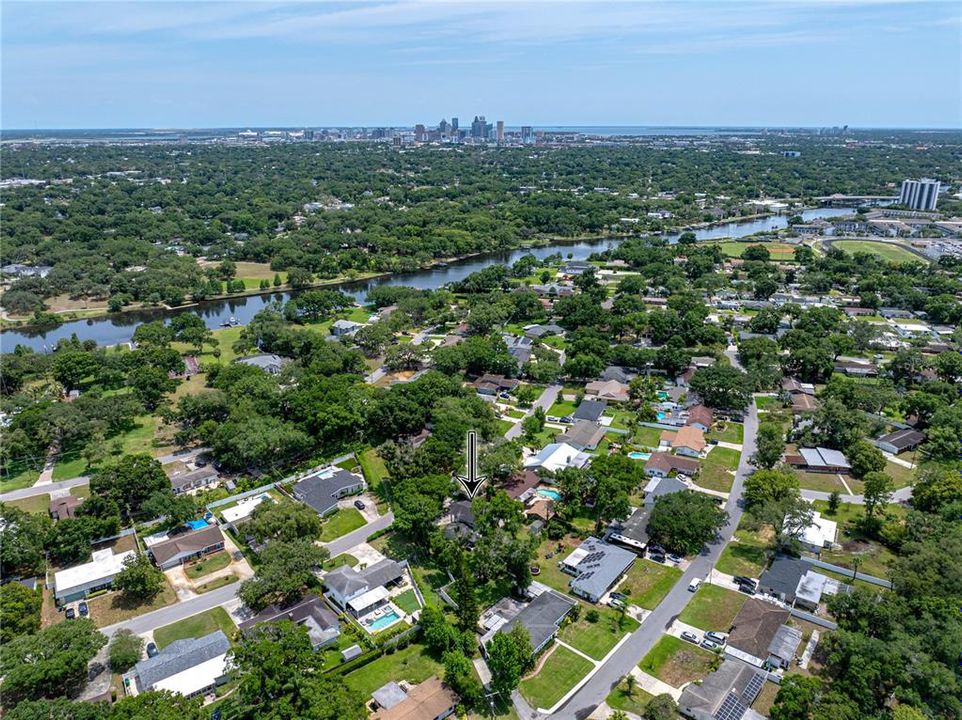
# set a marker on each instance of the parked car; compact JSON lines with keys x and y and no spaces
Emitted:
{"x":619,"y":596}
{"x":83,"y":609}
{"x":656,"y":558}
{"x":746,"y":581}
{"x":747,"y":589}
{"x":674,"y":558}
{"x":689,"y":636}
{"x":712,"y":442}
{"x":716,"y":637}
{"x":656,"y":549}
{"x":152,"y":650}
{"x":709,"y":645}
{"x":70,"y":614}
{"x":693,"y":586}
{"x":567,"y":420}
{"x":615,"y":602}
{"x":359,"y":504}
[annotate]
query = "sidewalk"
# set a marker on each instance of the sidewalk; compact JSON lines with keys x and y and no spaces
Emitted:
{"x":653,"y":685}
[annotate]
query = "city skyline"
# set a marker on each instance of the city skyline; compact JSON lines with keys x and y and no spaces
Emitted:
{"x":806,"y":64}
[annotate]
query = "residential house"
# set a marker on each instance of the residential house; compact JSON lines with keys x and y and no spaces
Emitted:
{"x":461,"y":522}
{"x":781,"y":578}
{"x":820,"y":534}
{"x":344,"y":328}
{"x":555,"y":456}
{"x":701,"y":417}
{"x":757,"y":638}
{"x":590,"y":410}
{"x":182,"y":547}
{"x":360,"y":591}
{"x":64,"y":507}
{"x":689,"y":441}
{"x":658,"y":486}
{"x":702,"y":361}
{"x":323,"y":627}
{"x":489,"y":384}
{"x":519,"y":348}
{"x":900,"y":441}
{"x":576,"y":267}
{"x":617,"y":374}
{"x":193,"y":479}
{"x":188,"y":667}
{"x":610,"y":390}
{"x":803,"y":403}
{"x":430,"y":700}
{"x":684,"y":379}
{"x":541,"y":617}
{"x":855,"y":368}
{"x":236,"y":515}
{"x":596,"y":566}
{"x":661,"y":465}
{"x":268,"y":362}
{"x":322,"y":490}
{"x":19,"y":270}
{"x":725,"y":694}
{"x":77,"y":582}
{"x":820,"y":459}
{"x":633,"y":532}
{"x":583,"y":435}
{"x":520,"y":486}
{"x":540,"y":331}
{"x":794,"y":386}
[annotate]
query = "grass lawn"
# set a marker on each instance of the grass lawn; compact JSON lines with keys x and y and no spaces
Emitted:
{"x":713,"y":608}
{"x":825,"y":482}
{"x":745,"y":555}
{"x":875,"y":558}
{"x":195,"y":626}
{"x":340,"y":523}
{"x":715,"y":472}
{"x":413,"y":664}
{"x":780,"y":252}
{"x":732,"y":432}
{"x":211,"y":563}
{"x":35,"y":504}
{"x":635,"y":702}
{"x":646,"y":436}
{"x":886,"y":251}
{"x":766,"y":403}
{"x":216,"y":583}
{"x":562,"y":408}
{"x":596,"y":639}
{"x":901,"y":475}
{"x":343,"y":559}
{"x":560,"y":672}
{"x":648,"y":582}
{"x":766,"y":698}
{"x":113,"y":607}
{"x":407,"y":601}
{"x":19,"y":480}
{"x":547,"y":559}
{"x":503,"y":426}
{"x":677,"y":662}
{"x":516,"y":414}
{"x":81,"y":491}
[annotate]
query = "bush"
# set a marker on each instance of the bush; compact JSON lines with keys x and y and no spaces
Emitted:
{"x":124,"y":651}
{"x":592,"y":615}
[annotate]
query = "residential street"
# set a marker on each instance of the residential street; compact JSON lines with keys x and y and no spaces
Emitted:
{"x":547,"y":399}
{"x":44,"y":489}
{"x":644,"y":638}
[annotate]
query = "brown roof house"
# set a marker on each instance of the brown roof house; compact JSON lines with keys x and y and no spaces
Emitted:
{"x":431,"y":700}
{"x":661,"y":464}
{"x":178,"y":549}
{"x":760,"y":636}
{"x":689,"y":441}
{"x":700,"y":417}
{"x":64,"y":507}
{"x":607,"y":390}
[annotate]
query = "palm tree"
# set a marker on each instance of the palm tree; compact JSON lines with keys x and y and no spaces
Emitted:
{"x":630,"y":684}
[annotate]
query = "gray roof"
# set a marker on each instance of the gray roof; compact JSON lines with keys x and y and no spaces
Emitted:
{"x":542,"y":616}
{"x":387,"y":696}
{"x":180,"y":655}
{"x":189,"y":478}
{"x":538,"y":331}
{"x":347,"y":581}
{"x":667,"y":486}
{"x":636,"y":527}
{"x":590,"y":410}
{"x":781,"y":578}
{"x":267,"y":362}
{"x":462,"y":512}
{"x":321,"y":622}
{"x":583,"y":434}
{"x":616,"y":373}
{"x":785,"y":642}
{"x":734,"y":685}
{"x":903,"y":439}
{"x":823,"y":457}
{"x":601,"y":567}
{"x":320,"y":492}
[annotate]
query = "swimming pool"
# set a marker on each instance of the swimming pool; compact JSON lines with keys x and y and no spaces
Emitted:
{"x":660,"y":415}
{"x":635,"y":455}
{"x":196,"y":524}
{"x":384,"y":621}
{"x":662,"y":395}
{"x":552,"y":494}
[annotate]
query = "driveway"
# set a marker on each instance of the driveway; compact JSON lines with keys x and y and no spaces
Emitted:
{"x":344,"y":543}
{"x":644,"y":638}
{"x":547,"y":399}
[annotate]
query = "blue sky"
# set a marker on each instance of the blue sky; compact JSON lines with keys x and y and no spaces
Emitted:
{"x":212,"y":64}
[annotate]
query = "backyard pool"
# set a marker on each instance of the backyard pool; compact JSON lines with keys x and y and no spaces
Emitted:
{"x":196,"y":524}
{"x":551,"y":494}
{"x":384,"y":621}
{"x":660,"y":415}
{"x":662,"y":395}
{"x":635,"y":455}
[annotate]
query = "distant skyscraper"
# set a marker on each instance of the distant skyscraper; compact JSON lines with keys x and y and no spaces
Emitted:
{"x":420,"y":133}
{"x":920,"y":194}
{"x":526,"y":135}
{"x":443,"y":126}
{"x":454,"y":124}
{"x":500,"y":131}
{"x":477,"y":127}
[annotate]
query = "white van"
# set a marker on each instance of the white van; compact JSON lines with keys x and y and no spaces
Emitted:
{"x":694,"y":585}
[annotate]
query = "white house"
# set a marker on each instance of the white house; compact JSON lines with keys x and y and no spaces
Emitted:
{"x":77,"y":582}
{"x":555,"y":456}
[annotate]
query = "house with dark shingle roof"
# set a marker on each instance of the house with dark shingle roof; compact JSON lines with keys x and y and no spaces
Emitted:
{"x":590,"y":410}
{"x":597,"y":566}
{"x":726,"y":694}
{"x":323,"y":627}
{"x":633,"y":532}
{"x":754,"y":629}
{"x":900,"y":441}
{"x":541,"y":618}
{"x":583,"y":435}
{"x":344,"y":583}
{"x":701,"y":417}
{"x":178,"y":549}
{"x":322,"y":490}
{"x":187,"y":667}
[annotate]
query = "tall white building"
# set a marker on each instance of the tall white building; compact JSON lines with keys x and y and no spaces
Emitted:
{"x":920,"y":194}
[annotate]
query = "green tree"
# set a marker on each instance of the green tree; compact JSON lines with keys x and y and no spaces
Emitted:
{"x":150,"y":384}
{"x":19,"y":610}
{"x":684,"y":522}
{"x":24,"y":538}
{"x":770,"y":443}
{"x":50,"y":663}
{"x":510,"y":656}
{"x":284,"y":574}
{"x":286,"y":522}
{"x":130,"y":481}
{"x":162,"y":705}
{"x":661,"y":707}
{"x":124,"y":651}
{"x":796,"y":699}
{"x":722,"y":386}
{"x":139,"y":580}
{"x":877,"y":492}
{"x":58,"y":709}
{"x":865,"y":458}
{"x":935,"y":488}
{"x":764,"y":486}
{"x":460,"y":676}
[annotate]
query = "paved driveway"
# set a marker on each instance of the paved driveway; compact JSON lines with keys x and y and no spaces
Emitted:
{"x":544,"y":402}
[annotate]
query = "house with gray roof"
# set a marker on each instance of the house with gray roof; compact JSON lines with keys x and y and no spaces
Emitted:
{"x":633,"y":532}
{"x":597,"y":566}
{"x":188,"y":667}
{"x":345,"y":584}
{"x":590,"y":410}
{"x":322,"y":490}
{"x":822,"y":459}
{"x":323,"y":627}
{"x":268,"y":362}
{"x":540,"y":331}
{"x":541,"y":617}
{"x":340,"y":328}
{"x":617,"y":374}
{"x":726,"y":694}
{"x":900,"y":441}
{"x":193,"y":479}
{"x":181,"y":547}
{"x":583,"y":435}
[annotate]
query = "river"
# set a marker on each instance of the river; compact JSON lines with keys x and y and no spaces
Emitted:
{"x":119,"y":327}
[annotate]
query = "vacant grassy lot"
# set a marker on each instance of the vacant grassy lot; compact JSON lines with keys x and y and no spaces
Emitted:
{"x":413,"y":664}
{"x":596,"y":639}
{"x":824,"y":482}
{"x":36,"y":504}
{"x":648,"y":582}
{"x":211,"y":563}
{"x":19,"y":479}
{"x":901,"y":475}
{"x":887,"y":251}
{"x":677,"y":662}
{"x":713,"y":608}
{"x":340,"y":523}
{"x":646,"y":437}
{"x":633,"y":702}
{"x":766,"y":403}
{"x":560,"y":672}
{"x":745,"y":554}
{"x":562,"y":408}
{"x":114,"y":607}
{"x":874,"y":558}
{"x":195,"y":626}
{"x":217,"y":582}
{"x":716,"y":469}
{"x":732,"y":432}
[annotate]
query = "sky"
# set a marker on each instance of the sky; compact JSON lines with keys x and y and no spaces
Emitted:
{"x":812,"y":63}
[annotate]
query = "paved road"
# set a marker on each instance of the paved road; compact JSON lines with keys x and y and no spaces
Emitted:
{"x":644,"y":638}
{"x":183,"y":455}
{"x":173,"y":613}
{"x":43,"y":489}
{"x":547,"y":399}
{"x":899,"y":496}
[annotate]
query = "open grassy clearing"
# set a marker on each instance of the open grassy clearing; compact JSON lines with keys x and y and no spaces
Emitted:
{"x":407,"y":601}
{"x":713,"y":608}
{"x":596,"y":639}
{"x":715,"y":472}
{"x":195,"y":626}
{"x":413,"y":664}
{"x":677,"y":662}
{"x":19,"y":479}
{"x":35,"y":504}
{"x":887,"y":251}
{"x":634,"y":701}
{"x":781,"y":252}
{"x":211,"y":563}
{"x":217,"y":582}
{"x":732,"y":432}
{"x":745,"y":554}
{"x":648,"y":582}
{"x":560,"y":672}
{"x":342,"y":522}
{"x":823,"y":482}
{"x":114,"y":607}
{"x":562,"y":408}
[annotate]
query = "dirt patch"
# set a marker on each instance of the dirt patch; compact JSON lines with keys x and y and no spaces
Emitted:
{"x":685,"y":666}
{"x":856,"y":546}
{"x":119,"y":545}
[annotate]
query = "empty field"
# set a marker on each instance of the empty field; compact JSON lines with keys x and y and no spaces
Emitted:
{"x":887,"y":251}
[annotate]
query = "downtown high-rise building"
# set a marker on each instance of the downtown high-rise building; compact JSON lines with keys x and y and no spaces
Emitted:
{"x":500,"y":131}
{"x":920,"y":194}
{"x":527,"y":136}
{"x":454,"y":124}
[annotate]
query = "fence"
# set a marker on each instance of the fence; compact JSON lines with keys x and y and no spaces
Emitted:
{"x":849,"y":572}
{"x":241,"y":496}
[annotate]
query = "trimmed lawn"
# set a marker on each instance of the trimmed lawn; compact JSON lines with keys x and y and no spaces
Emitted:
{"x":560,"y":672}
{"x":413,"y":664}
{"x":619,"y":699}
{"x":780,"y":252}
{"x":875,"y":558}
{"x":732,"y":432}
{"x":407,"y":601}
{"x":825,"y":482}
{"x":195,"y":626}
{"x":503,"y":426}
{"x":211,"y":563}
{"x":343,"y":559}
{"x":713,"y":608}
{"x":646,"y":436}
{"x":764,"y":403}
{"x":562,"y":408}
{"x":216,"y":583}
{"x":547,"y":559}
{"x":596,"y":639}
{"x":81,"y":491}
{"x":901,"y":475}
{"x":648,"y":582}
{"x":677,"y":662}
{"x":887,"y":251}
{"x":341,"y":523}
{"x":35,"y":504}
{"x":744,"y":555}
{"x":113,"y":607}
{"x":715,"y":472}
{"x":19,"y":480}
